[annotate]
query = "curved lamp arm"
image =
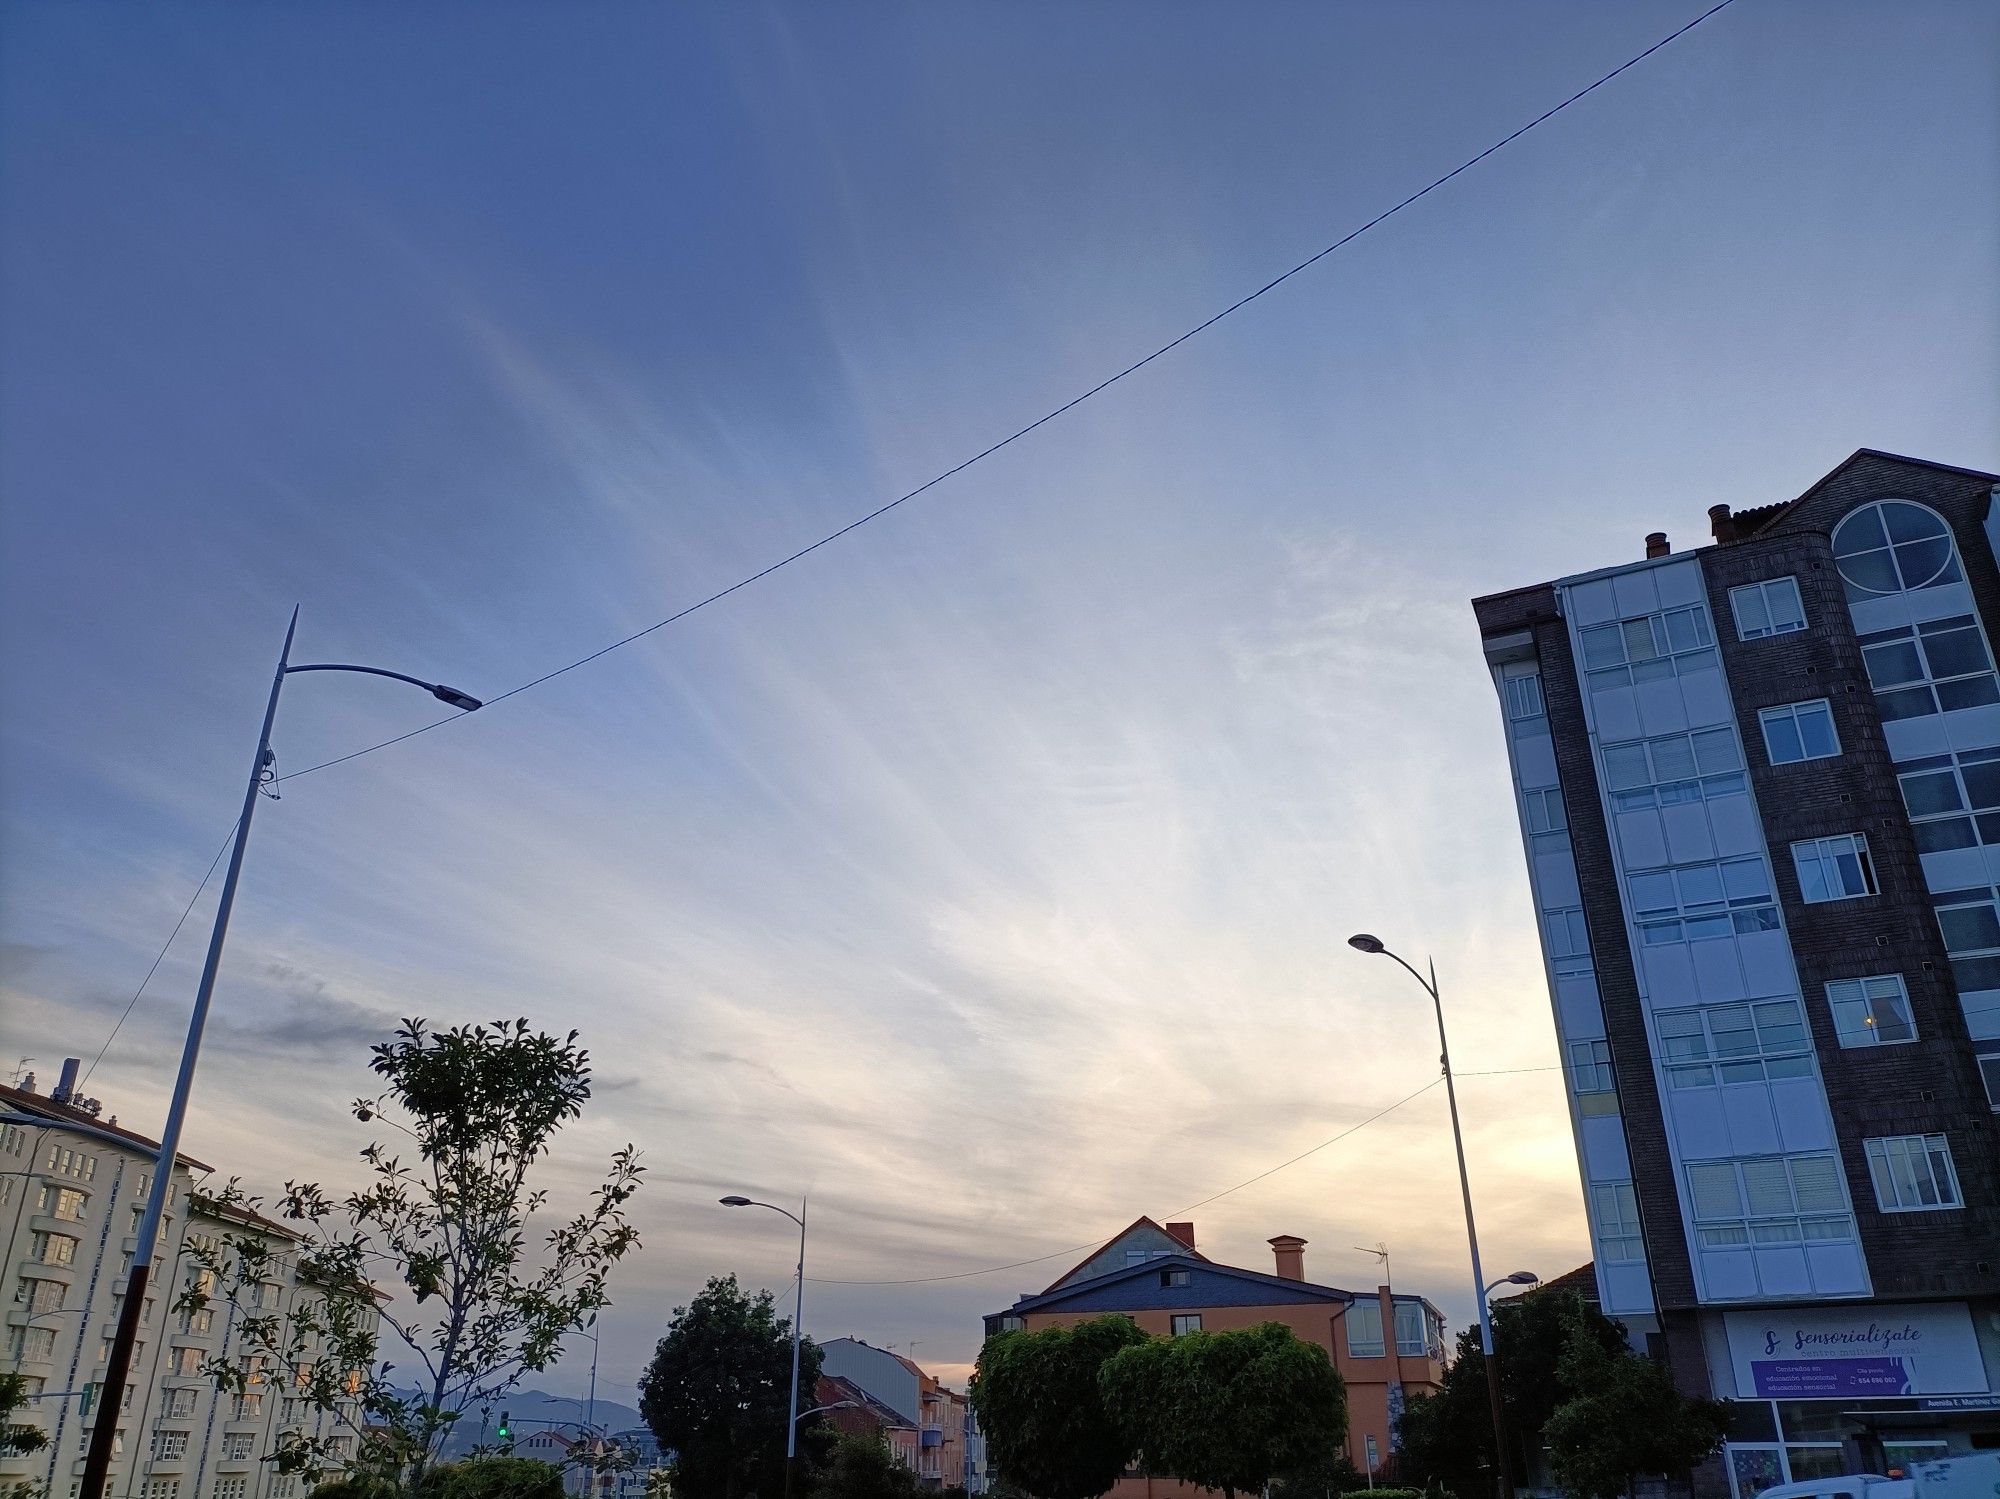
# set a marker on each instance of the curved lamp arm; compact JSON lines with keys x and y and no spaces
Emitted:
{"x":465,"y":702}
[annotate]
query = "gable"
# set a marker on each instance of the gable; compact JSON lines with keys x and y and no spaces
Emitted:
{"x":1869,"y":475}
{"x":1179,"y":1283}
{"x":1140,"y":1244}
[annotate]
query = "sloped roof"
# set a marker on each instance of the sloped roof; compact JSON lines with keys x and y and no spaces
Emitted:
{"x":1287,"y":1289}
{"x":62,"y":1113}
{"x":1755,"y":521}
{"x":1142,"y":1221}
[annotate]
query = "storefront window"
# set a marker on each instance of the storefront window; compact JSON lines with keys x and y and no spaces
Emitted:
{"x":1815,"y":1462}
{"x":1754,"y":1469}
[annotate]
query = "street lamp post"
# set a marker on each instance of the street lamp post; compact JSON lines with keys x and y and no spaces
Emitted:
{"x":798,"y":1319}
{"x":118,"y":1365}
{"x":1362,"y":942}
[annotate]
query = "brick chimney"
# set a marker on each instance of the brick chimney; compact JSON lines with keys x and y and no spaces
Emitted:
{"x":1721,"y":524}
{"x":1656,"y":544}
{"x":1183,"y":1232}
{"x":1290,"y":1251}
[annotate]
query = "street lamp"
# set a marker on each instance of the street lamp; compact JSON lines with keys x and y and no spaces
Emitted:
{"x":798,"y":1316}
{"x":97,"y":1461}
{"x":1518,"y":1278}
{"x":1363,"y":942}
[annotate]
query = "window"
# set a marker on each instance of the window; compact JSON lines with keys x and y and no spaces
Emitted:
{"x":1953,"y":800}
{"x":1590,"y":1066}
{"x":1743,"y":1043}
{"x":251,"y":1367}
{"x":27,"y":1388}
{"x":1673,"y":768}
{"x":1652,"y":648}
{"x":1699,"y":901}
{"x":1524,"y":697}
{"x":65,"y":1203}
{"x":1769,"y":1200}
{"x":1891,"y":547}
{"x":247,"y":1407}
{"x":1799,"y":731}
{"x":1542,"y":811}
{"x":12,"y":1138}
{"x":1619,"y":1238}
{"x":198,"y":1321}
{"x":1568,"y":939}
{"x":1988,"y":1057}
{"x":232,"y":1488}
{"x":54,"y":1249}
{"x":1364,"y":1329}
{"x":1410,"y":1329}
{"x":1768,"y":608}
{"x":176,"y":1404}
{"x":1913,"y":1173}
{"x":1186,"y":1322}
{"x":31,"y":1344}
{"x":1929,"y":668}
{"x":1141,"y":1256}
{"x":1834,"y":868}
{"x":169,"y":1446}
{"x":161,"y":1488}
{"x":236,"y":1445}
{"x":1871,"y":1012}
{"x":185,"y":1362}
{"x":1174,"y":1277}
{"x":37,"y":1296}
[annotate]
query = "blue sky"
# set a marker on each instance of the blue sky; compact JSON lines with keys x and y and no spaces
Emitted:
{"x":987,"y":873}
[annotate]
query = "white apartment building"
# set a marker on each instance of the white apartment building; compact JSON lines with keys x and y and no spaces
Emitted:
{"x":72,"y":1189}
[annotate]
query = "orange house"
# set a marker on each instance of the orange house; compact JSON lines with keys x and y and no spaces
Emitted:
{"x":1386,"y":1347}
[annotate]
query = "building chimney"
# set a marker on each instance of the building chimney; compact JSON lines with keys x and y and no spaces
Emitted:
{"x":65,"y":1088}
{"x":1721,"y":524}
{"x":1656,"y":544}
{"x":1290,"y":1251}
{"x":1183,"y":1232}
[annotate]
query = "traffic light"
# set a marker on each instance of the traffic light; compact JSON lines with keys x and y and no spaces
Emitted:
{"x":504,"y":1433}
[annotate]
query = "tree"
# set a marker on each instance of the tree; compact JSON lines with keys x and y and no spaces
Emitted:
{"x":718,"y":1392}
{"x":1331,"y":1473}
{"x":1447,"y":1438}
{"x":18,"y":1437}
{"x":862,"y":1467}
{"x":1039,"y":1402}
{"x":1624,"y":1419}
{"x":435,"y":1248}
{"x":492,"y":1478}
{"x":1228,"y":1410}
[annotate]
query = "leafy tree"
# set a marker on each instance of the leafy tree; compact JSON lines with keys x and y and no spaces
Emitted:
{"x":1328,"y":1474}
{"x":18,"y":1437}
{"x":863,"y":1467}
{"x":1040,"y":1404}
{"x":446,"y":1233}
{"x":1625,"y":1418}
{"x":1228,"y":1410}
{"x":492,"y":1478}
{"x":1447,"y":1438}
{"x":718,"y":1392}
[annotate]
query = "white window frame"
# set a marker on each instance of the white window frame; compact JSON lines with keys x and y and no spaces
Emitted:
{"x":1796,"y":715}
{"x":1814,"y":1209}
{"x":1668,"y":769}
{"x":1987,"y":1055}
{"x":1870,"y":1011}
{"x":1818,"y":863}
{"x":1647,"y":648}
{"x":1181,"y":1323}
{"x":1903,"y":564}
{"x":1524,"y":697}
{"x":170,"y":1446}
{"x":1543,"y":811}
{"x":1620,"y":1237}
{"x":1970,"y":780}
{"x":1743,"y":1041}
{"x":1414,"y":1345}
{"x":1900,"y":694}
{"x":1371,"y":1316}
{"x":1906,"y":1167}
{"x":1590,"y":1066}
{"x":1566,"y":933}
{"x":1756,"y":601}
{"x":1697,"y":902}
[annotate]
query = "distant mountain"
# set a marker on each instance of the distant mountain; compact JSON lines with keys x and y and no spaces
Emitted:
{"x":533,"y":1410}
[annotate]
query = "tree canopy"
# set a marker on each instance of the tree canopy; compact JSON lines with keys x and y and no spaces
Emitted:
{"x":718,"y":1392}
{"x":1228,"y":1410}
{"x":1039,"y":1402}
{"x":1623,"y":1418}
{"x":863,"y":1467}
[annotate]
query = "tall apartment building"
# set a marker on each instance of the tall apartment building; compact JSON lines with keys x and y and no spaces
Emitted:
{"x":1759,"y":786}
{"x":933,"y":1418}
{"x":72,"y":1188}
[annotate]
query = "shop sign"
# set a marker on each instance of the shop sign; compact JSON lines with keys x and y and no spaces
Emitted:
{"x":1874,"y":1349}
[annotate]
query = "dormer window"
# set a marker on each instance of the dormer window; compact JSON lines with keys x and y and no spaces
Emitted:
{"x":1173,"y":1277}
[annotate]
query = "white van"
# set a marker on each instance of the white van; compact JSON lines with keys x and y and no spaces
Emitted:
{"x":1974,"y":1477}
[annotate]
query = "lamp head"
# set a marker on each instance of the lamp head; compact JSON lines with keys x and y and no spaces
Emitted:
{"x":465,"y":702}
{"x":1524,"y":1278}
{"x":1362,"y":942}
{"x":735,"y":1202}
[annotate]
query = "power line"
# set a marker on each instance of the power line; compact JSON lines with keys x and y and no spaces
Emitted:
{"x":1049,"y":416}
{"x":920,"y":1280}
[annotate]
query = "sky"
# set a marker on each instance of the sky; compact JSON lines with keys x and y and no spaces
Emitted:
{"x":985,"y":875}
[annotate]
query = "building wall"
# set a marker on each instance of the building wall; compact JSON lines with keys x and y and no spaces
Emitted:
{"x":225,"y":1436}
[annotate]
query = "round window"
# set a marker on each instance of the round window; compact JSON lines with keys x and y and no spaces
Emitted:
{"x":1893,"y":546}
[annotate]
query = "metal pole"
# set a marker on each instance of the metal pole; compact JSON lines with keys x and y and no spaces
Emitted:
{"x":1500,"y":1465}
{"x":118,"y":1367}
{"x":798,"y":1321}
{"x":590,"y":1418}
